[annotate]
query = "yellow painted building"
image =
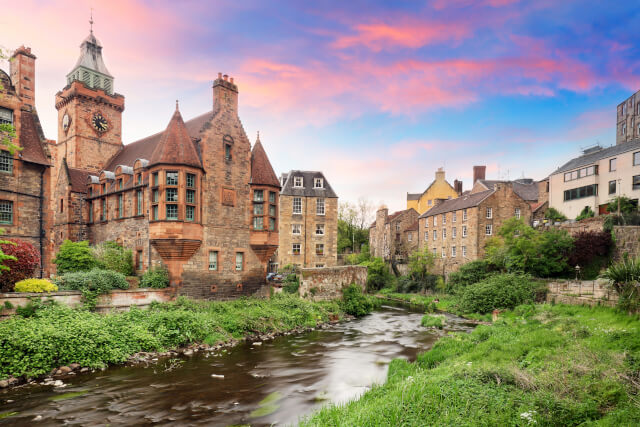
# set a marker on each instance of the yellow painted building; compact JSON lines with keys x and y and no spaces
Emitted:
{"x":439,"y":189}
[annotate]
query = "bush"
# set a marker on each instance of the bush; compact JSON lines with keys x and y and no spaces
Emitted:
{"x":112,"y":256}
{"x":502,"y":291}
{"x":433,"y":321}
{"x":354,"y":302}
{"x":35,"y":285}
{"x":591,"y":252}
{"x":554,"y":215}
{"x":157,"y":278}
{"x":291,"y":284}
{"x":74,"y":256}
{"x":92,"y":283}
{"x":625,"y":276}
{"x":409,"y":285}
{"x":627,"y":206}
{"x":623,"y":219}
{"x":378,"y":275}
{"x":587,"y":212}
{"x":27,"y":260}
{"x":355,"y":259}
{"x":468,"y":274}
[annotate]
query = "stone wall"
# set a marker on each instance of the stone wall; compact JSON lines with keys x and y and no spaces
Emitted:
{"x":321,"y":284}
{"x":627,"y":239}
{"x":115,"y":300}
{"x":589,"y":224}
{"x":584,"y":292}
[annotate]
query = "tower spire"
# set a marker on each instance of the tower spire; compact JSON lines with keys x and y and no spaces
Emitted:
{"x":91,"y":22}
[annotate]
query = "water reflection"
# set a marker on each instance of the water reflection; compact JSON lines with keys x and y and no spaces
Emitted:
{"x":276,"y":382}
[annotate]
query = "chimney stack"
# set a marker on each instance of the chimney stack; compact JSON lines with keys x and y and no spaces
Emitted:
{"x":225,"y":94}
{"x":479,"y":173}
{"x":23,"y":74}
{"x":440,"y":174}
{"x":457,"y":185}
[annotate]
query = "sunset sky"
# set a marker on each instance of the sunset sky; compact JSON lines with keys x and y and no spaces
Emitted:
{"x":377,"y":95}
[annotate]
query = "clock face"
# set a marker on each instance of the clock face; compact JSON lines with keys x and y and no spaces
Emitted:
{"x":66,"y":121}
{"x":99,"y":123}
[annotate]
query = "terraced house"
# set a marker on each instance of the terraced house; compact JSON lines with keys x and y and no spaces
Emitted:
{"x":308,"y":221}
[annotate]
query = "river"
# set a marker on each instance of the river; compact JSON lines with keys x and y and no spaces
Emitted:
{"x":274,"y":383}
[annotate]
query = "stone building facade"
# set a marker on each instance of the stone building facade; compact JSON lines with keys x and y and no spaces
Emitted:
{"x":438,"y":189}
{"x":25,"y":176}
{"x":457,"y":230}
{"x":387,"y":237}
{"x":196,"y":198}
{"x":308,"y":221}
{"x":628,"y":119}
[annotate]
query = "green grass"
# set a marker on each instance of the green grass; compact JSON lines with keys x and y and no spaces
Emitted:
{"x":433,"y":321}
{"x":448,"y":303}
{"x":55,"y":335}
{"x":538,"y":365}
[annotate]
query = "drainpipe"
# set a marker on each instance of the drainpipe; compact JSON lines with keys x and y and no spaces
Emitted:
{"x":42,"y":222}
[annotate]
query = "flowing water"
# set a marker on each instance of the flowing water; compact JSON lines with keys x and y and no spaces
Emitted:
{"x":274,"y":383}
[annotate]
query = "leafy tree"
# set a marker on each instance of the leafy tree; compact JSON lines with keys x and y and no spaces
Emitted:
{"x":353,"y":225}
{"x":378,"y":275}
{"x":112,"y":256}
{"x":420,"y":263}
{"x":587,"y":212}
{"x":24,"y":261}
{"x":468,"y":274}
{"x":74,"y":256}
{"x":554,"y":215}
{"x":626,"y":205}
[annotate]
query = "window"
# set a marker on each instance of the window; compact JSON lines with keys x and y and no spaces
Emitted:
{"x":464,"y":231}
{"x":612,"y":186}
{"x":464,"y":251}
{"x":429,"y":202}
{"x":6,"y":212}
{"x":636,"y":182}
{"x":295,"y":228}
{"x":172,"y":212}
{"x":435,"y":235}
{"x":172,"y":178}
{"x":61,"y":205}
{"x":581,"y":173}
{"x":488,"y":229}
{"x":103,"y":216}
{"x":272,"y":197}
{"x":320,"y":229}
{"x":579,"y":193}
{"x":443,"y":253}
{"x":191,"y":180}
{"x":319,"y":249}
{"x":190,"y":213}
{"x":297,"y":181}
{"x":444,"y":219}
{"x":191,"y":196}
{"x":464,"y":214}
{"x":171,"y":194}
{"x":6,"y":116}
{"x":139,"y":202}
{"x":426,"y":236}
{"x":453,"y":251}
{"x":295,"y":248}
{"x":139,"y":179}
{"x":258,"y":223}
{"x":139,"y":258}
{"x":258,"y":209}
{"x":636,"y":155}
{"x":489,"y":213}
{"x":297,"y":205}
{"x":6,"y":162}
{"x":454,"y":233}
{"x":320,"y":206}
{"x":435,"y":220}
{"x":155,"y":212}
{"x":120,"y":206}
{"x":435,"y":252}
{"x":409,"y":236}
{"x":454,"y":217}
{"x":272,"y":210}
{"x":155,"y":179}
{"x":319,"y":265}
{"x":258,"y":195}
{"x":90,"y":211}
{"x":119,"y":183}
{"x":517,"y":213}
{"x":239,"y":261}
{"x":444,"y":233}
{"x":272,"y":224}
{"x":318,"y":183}
{"x":156,"y":196}
{"x":612,"y":164}
{"x":623,"y":130}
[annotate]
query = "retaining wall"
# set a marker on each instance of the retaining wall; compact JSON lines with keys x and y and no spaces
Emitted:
{"x":321,"y":284}
{"x":583,"y":292}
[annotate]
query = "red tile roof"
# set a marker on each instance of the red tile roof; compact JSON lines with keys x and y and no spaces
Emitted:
{"x":261,"y":171}
{"x":175,"y":146}
{"x":31,"y":139}
{"x":78,"y":180}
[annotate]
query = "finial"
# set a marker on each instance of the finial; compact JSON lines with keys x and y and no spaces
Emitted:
{"x":176,"y":105}
{"x":258,"y":136}
{"x":91,"y":21}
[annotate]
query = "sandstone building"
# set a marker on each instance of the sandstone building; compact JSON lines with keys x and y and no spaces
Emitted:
{"x":438,"y":189}
{"x":195,"y":197}
{"x":308,"y":221}
{"x":628,"y":119}
{"x":387,"y":237}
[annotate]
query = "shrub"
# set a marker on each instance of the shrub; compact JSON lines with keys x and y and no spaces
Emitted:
{"x":355,"y":259}
{"x":587,"y":212}
{"x":622,"y":219}
{"x":627,"y":206}
{"x":291,"y":284}
{"x":354,"y":302}
{"x":407,"y":284}
{"x":468,"y":274}
{"x":112,"y":256}
{"x":591,"y":252}
{"x":377,"y":274}
{"x":625,"y":276}
{"x":74,"y":256}
{"x":35,"y":285}
{"x":501,"y":291}
{"x":24,"y":262}
{"x":92,"y":283}
{"x":433,"y":321}
{"x":554,"y":215}
{"x":156,"y":278}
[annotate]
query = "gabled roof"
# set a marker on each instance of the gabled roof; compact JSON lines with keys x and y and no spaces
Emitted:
{"x":527,"y":189}
{"x":143,"y":148}
{"x":412,"y":227}
{"x":261,"y":171}
{"x":31,"y":139}
{"x":595,"y":156}
{"x":413,"y":196}
{"x":78,"y":179}
{"x":175,"y":146}
{"x":307,"y":189}
{"x":394,"y":216}
{"x":462,"y":202}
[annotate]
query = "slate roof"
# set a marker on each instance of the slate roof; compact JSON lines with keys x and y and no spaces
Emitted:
{"x":175,"y":146}
{"x":412,"y":227}
{"x":91,"y":56}
{"x":593,"y":157}
{"x":413,"y":196}
{"x":261,"y":171}
{"x":462,"y":202}
{"x":307,"y":181}
{"x":526,"y":189}
{"x":143,"y":148}
{"x":393,"y":216}
{"x":78,"y":179}
{"x":31,"y":139}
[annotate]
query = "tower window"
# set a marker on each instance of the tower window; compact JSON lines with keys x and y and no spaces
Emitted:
{"x":258,"y":195}
{"x":191,"y":196}
{"x":171,"y":194}
{"x":191,"y":180}
{"x":155,"y":179}
{"x":172,"y":178}
{"x":190,"y":213}
{"x":172,"y":212}
{"x":257,"y":222}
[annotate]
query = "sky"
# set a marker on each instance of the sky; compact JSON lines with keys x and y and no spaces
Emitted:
{"x":376,"y":94}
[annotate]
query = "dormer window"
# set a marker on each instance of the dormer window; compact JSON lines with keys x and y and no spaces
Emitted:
{"x":318,"y":183}
{"x":297,"y":181}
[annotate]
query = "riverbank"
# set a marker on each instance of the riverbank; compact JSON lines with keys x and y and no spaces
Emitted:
{"x":57,"y":337}
{"x":445,"y":303}
{"x":542,"y":365}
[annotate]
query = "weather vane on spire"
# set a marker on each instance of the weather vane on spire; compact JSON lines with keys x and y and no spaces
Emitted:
{"x":91,"y":21}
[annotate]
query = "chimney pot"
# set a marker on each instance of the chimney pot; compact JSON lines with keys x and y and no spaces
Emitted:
{"x":226,"y":77}
{"x":231,"y":79}
{"x":219,"y":75}
{"x":479,"y":172}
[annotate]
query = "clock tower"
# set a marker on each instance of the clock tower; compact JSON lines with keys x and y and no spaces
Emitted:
{"x":89,"y":112}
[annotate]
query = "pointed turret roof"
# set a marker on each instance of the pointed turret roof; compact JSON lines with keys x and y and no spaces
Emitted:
{"x":261,"y":171}
{"x":175,"y":146}
{"x":91,"y":56}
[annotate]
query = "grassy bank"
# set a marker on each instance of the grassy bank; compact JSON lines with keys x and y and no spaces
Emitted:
{"x":445,"y":302}
{"x":537,"y":365}
{"x":55,"y":336}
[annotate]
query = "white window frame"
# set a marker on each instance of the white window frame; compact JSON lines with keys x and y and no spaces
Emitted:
{"x":426,"y":236}
{"x":464,"y":214}
{"x":293,"y":249}
{"x":297,"y":203}
{"x":488,"y":229}
{"x":453,"y":252}
{"x":409,"y":236}
{"x":435,"y":235}
{"x":320,"y":245}
{"x":435,"y":221}
{"x":444,"y":233}
{"x":435,"y":251}
{"x":320,"y":206}
{"x":296,"y":227}
{"x":454,"y":233}
{"x":464,"y":231}
{"x":444,"y":219}
{"x":464,"y":252}
{"x":489,"y":213}
{"x":213,"y":260}
{"x":444,"y":252}
{"x":454,"y":217}
{"x":320,"y":227}
{"x":298,"y":182}
{"x":240,"y":257}
{"x":318,"y":183}
{"x":517,"y":213}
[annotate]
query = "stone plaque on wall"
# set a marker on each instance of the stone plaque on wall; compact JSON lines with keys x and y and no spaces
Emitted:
{"x":228,"y":197}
